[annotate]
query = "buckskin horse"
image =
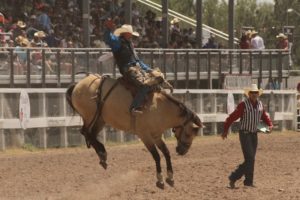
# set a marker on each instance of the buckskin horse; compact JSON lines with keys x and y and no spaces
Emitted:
{"x":101,"y":100}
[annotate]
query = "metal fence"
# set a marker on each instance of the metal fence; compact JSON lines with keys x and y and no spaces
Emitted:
{"x":184,"y":68}
{"x":53,"y":124}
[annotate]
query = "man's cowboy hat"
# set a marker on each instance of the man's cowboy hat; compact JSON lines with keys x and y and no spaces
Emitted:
{"x":254,"y":32}
{"x":40,"y":34}
{"x":253,"y":88}
{"x":21,"y":24}
{"x":22,"y":41}
{"x":281,"y":35}
{"x":126,"y":28}
{"x":175,"y":20}
{"x":248,"y":33}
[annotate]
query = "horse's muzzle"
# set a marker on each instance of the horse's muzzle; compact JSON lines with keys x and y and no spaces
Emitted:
{"x":182,"y":148}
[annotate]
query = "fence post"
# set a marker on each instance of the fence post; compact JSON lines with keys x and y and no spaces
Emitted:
{"x":28,"y":68}
{"x":198,"y":70}
{"x":63,"y":137}
{"x":209,"y":79}
{"x":187,"y":69}
{"x":58,"y":68}
{"x":176,"y":70}
{"x":44,"y":68}
{"x":43,"y":133}
{"x":11,"y":77}
{"x":43,"y":138}
{"x":2,"y":140}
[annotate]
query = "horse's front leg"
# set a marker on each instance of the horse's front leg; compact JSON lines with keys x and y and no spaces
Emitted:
{"x":164,"y":149}
{"x":152,"y":149}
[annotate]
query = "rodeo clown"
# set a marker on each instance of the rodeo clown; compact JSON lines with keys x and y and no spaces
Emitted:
{"x":130,"y":66}
{"x":250,"y":112}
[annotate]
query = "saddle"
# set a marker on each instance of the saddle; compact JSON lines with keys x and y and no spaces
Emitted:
{"x":155,"y":80}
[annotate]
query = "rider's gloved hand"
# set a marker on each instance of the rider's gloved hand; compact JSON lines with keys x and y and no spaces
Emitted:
{"x":109,"y":24}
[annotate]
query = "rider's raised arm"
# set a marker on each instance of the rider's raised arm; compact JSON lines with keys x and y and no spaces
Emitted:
{"x":111,"y":40}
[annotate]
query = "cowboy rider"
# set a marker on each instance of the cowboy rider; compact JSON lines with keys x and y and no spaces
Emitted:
{"x":130,"y":66}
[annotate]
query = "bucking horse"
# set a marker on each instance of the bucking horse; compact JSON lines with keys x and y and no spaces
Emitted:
{"x":101,"y":100}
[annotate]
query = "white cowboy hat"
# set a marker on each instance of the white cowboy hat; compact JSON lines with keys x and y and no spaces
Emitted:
{"x":175,"y":20}
{"x":126,"y":28}
{"x":21,"y":24}
{"x":253,"y":88}
{"x":254,"y":32}
{"x":40,"y":34}
{"x":281,"y":35}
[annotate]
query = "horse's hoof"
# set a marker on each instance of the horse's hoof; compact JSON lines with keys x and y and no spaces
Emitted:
{"x":170,"y":182}
{"x":103,"y":164}
{"x":160,"y":185}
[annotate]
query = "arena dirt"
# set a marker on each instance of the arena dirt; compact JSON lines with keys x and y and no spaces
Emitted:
{"x":74,"y":173}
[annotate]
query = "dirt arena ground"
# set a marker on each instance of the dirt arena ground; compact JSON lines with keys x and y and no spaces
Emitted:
{"x":74,"y":173}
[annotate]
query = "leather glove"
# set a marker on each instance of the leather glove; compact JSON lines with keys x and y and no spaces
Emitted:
{"x":109,"y":24}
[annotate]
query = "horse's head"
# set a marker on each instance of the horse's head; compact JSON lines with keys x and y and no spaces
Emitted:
{"x":186,"y":132}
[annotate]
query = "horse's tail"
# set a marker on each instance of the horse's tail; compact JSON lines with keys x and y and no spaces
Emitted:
{"x":69,"y":95}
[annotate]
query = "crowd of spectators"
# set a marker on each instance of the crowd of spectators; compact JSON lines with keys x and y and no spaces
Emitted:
{"x":59,"y":23}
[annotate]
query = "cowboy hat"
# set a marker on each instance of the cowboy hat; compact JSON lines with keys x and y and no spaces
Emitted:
{"x":21,"y":24}
{"x":40,"y":34}
{"x":175,"y":20}
{"x":253,"y":88}
{"x":126,"y":28}
{"x":254,"y":32}
{"x":281,"y":35}
{"x":248,"y":33}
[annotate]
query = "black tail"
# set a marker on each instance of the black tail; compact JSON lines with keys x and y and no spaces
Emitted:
{"x":69,"y":95}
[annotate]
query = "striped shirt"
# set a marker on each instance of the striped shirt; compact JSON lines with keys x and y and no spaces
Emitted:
{"x":251,"y":116}
{"x":241,"y":112}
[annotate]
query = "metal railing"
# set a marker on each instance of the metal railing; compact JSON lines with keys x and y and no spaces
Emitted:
{"x":184,"y":68}
{"x":53,"y":124}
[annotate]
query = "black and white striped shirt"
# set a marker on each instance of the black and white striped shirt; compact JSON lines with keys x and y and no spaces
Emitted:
{"x":251,"y":117}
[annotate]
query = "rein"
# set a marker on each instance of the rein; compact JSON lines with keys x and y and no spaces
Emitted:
{"x":99,"y":101}
{"x":189,"y":115}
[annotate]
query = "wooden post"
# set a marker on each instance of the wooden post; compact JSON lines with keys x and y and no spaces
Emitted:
{"x":2,"y":140}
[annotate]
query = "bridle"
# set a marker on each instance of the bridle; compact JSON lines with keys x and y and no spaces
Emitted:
{"x":189,"y":117}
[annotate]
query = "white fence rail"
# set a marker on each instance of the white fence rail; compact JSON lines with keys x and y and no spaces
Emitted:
{"x":53,"y":124}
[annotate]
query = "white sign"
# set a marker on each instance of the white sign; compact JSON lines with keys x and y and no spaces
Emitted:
{"x":237,"y":81}
{"x":24,"y":109}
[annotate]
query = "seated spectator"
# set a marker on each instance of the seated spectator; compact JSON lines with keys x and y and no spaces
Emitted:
{"x":18,"y":30}
{"x":175,"y":32}
{"x":38,"y":39}
{"x":244,"y":42}
{"x":32,"y":27}
{"x":211,"y":43}
{"x":283,"y":42}
{"x":21,"y":54}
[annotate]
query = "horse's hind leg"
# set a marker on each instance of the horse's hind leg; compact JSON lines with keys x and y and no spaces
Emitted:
{"x":101,"y":152}
{"x":91,"y":139}
{"x":164,"y":149}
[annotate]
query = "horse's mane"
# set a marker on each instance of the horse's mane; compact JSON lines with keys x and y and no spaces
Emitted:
{"x":183,"y":109}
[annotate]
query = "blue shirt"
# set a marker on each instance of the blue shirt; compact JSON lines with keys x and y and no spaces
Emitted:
{"x":114,"y":43}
